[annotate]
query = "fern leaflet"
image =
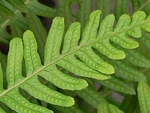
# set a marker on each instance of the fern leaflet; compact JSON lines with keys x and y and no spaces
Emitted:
{"x":144,"y":97}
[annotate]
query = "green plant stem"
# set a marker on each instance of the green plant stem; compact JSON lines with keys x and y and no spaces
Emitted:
{"x":146,"y":3}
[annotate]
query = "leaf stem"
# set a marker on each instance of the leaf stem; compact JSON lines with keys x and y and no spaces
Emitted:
{"x":146,"y":3}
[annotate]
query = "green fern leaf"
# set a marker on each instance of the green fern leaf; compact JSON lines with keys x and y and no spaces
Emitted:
{"x":14,"y":64}
{"x":5,"y":36}
{"x":144,"y":97}
{"x":58,"y":57}
{"x":37,"y":90}
{"x":90,"y":30}
{"x":91,"y":96}
{"x":137,"y":59}
{"x":1,"y":79}
{"x":86,"y":107}
{"x":18,"y":4}
{"x":123,"y":70}
{"x":87,"y":55}
{"x":54,"y":40}
{"x":136,"y":5}
{"x":146,"y":27}
{"x":94,"y":61}
{"x":2,"y":111}
{"x":71,"y":38}
{"x":107,"y":108}
{"x":68,"y":62}
{"x":128,"y":72}
{"x":138,"y":17}
{"x":21,"y":21}
{"x":16,"y":53}
{"x":32,"y":61}
{"x":140,"y":5}
{"x":18,"y":103}
{"x":104,"y":6}
{"x":82,"y":17}
{"x":65,"y":11}
{"x":3,"y":61}
{"x":41,"y":10}
{"x":14,"y":72}
{"x":16,"y":31}
{"x":123,"y":39}
{"x":39,"y":31}
{"x":121,"y":7}
{"x":72,"y":109}
{"x":126,"y":105}
{"x":118,"y":85}
{"x":21,"y":104}
{"x":3,"y":39}
{"x":106,"y":28}
{"x":31,"y":57}
{"x":145,"y":38}
{"x":6,"y":12}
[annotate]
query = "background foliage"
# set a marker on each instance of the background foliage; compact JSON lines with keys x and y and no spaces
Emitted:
{"x":109,"y":56}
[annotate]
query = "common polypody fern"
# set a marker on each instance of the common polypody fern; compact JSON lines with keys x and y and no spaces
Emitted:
{"x":80,"y":55}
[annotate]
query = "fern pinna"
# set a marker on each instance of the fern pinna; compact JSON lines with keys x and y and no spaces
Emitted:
{"x":88,"y":55}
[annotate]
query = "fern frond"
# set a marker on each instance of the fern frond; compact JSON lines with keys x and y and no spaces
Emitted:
{"x":87,"y":55}
{"x":12,"y":12}
{"x":31,"y":57}
{"x":54,"y":40}
{"x":3,"y":63}
{"x":126,"y":105}
{"x":73,"y":52}
{"x":106,"y":28}
{"x":18,"y":103}
{"x":137,"y":59}
{"x":14,"y":69}
{"x":141,"y":5}
{"x":35,"y":25}
{"x":41,"y":10}
{"x":123,"y":39}
{"x":65,"y":11}
{"x":145,"y":38}
{"x":72,"y":109}
{"x":121,"y":7}
{"x":2,"y":111}
{"x":136,"y":4}
{"x":91,"y":96}
{"x":128,"y":72}
{"x":18,"y":4}
{"x":1,"y":78}
{"x":6,"y":12}
{"x":87,"y":108}
{"x":144,"y":97}
{"x":118,"y":85}
{"x":20,"y":22}
{"x":16,"y":31}
{"x":104,"y":6}
{"x":85,"y":6}
{"x":107,"y":108}
{"x":88,"y":36}
{"x":137,"y":18}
